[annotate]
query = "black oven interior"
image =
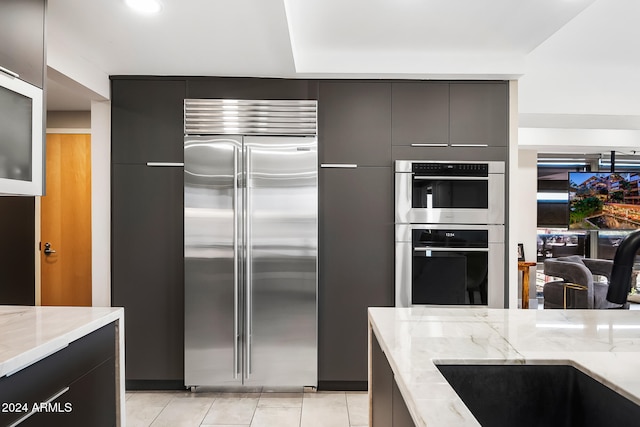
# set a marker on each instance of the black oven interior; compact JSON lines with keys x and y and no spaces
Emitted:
{"x":449,"y":267}
{"x":445,"y":193}
{"x":450,"y":185}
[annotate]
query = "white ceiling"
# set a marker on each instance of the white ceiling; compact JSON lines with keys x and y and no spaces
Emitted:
{"x":573,"y":58}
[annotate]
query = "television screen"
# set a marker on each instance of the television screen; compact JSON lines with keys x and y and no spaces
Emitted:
{"x":604,"y":200}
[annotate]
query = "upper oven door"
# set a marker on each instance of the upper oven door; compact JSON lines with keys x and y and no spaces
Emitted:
{"x":441,"y":198}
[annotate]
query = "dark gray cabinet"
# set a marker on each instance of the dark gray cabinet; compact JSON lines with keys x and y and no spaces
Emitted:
{"x":22,"y":35}
{"x":355,"y":268}
{"x":17,"y":260}
{"x":479,"y":114}
{"x":251,"y":88}
{"x":147,"y":120}
{"x":354,"y":122}
{"x":148,"y":271}
{"x":82,"y":374}
{"x":449,"y":120}
{"x":388,"y":408}
{"x":420,"y":113}
{"x":381,"y":387}
{"x":357,"y":121}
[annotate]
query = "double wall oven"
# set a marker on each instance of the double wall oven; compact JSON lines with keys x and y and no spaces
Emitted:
{"x":449,"y":233}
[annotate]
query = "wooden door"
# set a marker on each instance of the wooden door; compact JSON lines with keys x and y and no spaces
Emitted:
{"x":65,"y":220}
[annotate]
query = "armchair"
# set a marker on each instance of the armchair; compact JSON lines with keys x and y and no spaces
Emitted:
{"x":580,"y":271}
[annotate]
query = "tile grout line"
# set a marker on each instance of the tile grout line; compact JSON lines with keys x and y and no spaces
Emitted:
{"x":208,"y":409}
{"x":346,"y":403}
{"x":301,"y":409}
{"x":253,"y":415}
{"x":162,"y":410}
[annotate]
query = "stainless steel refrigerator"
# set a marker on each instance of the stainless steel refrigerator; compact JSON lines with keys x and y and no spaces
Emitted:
{"x":250,"y":260}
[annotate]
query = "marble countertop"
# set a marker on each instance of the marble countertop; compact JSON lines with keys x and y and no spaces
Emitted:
{"x":29,"y":334}
{"x":602,"y":343}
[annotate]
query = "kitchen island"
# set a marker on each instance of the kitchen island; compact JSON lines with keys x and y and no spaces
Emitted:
{"x":61,"y":366}
{"x":604,"y":344}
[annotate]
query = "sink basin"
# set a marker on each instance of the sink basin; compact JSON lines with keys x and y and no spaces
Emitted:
{"x":538,"y":395}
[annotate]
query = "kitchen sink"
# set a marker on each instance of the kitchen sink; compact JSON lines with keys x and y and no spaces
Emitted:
{"x":538,"y":395}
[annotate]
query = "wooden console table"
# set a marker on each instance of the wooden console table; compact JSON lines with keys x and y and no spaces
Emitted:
{"x":524,"y":267}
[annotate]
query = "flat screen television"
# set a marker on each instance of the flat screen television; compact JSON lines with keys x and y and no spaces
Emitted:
{"x":604,"y":200}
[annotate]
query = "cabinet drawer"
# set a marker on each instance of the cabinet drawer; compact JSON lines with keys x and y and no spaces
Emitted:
{"x":448,"y":153}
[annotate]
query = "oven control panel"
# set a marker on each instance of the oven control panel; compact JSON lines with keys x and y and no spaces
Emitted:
{"x":450,"y":169}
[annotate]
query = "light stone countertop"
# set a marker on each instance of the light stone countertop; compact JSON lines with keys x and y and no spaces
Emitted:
{"x":29,"y":334}
{"x":604,"y":344}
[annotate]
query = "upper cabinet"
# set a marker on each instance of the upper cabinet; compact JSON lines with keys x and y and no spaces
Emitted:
{"x":22,"y":65}
{"x":148,"y":121}
{"x":251,"y":88}
{"x":431,"y":114}
{"x":479,"y":114}
{"x":354,"y":122}
{"x":22,"y":39}
{"x":420,"y":114}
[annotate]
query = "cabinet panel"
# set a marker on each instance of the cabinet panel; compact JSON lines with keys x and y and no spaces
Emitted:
{"x":17,"y":260}
{"x":420,"y":113}
{"x":22,"y":39}
{"x":354,"y":122}
{"x":251,"y":88}
{"x":148,"y":268}
{"x":147,"y":120}
{"x":449,"y":153}
{"x":381,"y":387}
{"x":355,"y":266}
{"x":401,"y":415}
{"x":479,"y":113}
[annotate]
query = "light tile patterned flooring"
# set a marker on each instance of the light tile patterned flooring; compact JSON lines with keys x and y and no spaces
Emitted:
{"x":206,"y":409}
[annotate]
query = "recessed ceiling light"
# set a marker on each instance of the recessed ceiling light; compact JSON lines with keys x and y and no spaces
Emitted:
{"x":144,"y":6}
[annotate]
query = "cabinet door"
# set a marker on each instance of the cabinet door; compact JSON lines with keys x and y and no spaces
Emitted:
{"x":148,"y":268}
{"x":354,"y":122}
{"x":147,"y":120}
{"x":22,"y":39}
{"x":420,"y":113}
{"x":479,"y":114}
{"x":355,"y":267}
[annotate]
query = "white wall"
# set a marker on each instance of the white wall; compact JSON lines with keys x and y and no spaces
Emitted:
{"x":524,"y":224}
{"x":101,"y":203}
{"x":512,"y":173}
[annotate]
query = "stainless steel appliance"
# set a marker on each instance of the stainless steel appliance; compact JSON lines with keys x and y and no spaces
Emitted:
{"x":450,"y":264}
{"x":449,"y":192}
{"x":449,"y":233}
{"x":250,"y":244}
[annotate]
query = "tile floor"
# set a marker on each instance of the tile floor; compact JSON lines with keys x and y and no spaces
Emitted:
{"x":206,"y":409}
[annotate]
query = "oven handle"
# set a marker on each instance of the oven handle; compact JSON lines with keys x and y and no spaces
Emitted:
{"x":453,"y":178}
{"x":438,"y":249}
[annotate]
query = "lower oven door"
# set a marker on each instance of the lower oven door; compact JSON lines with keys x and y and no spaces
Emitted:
{"x":449,"y":276}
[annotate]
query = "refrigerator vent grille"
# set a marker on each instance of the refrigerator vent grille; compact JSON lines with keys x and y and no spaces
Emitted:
{"x":249,"y":117}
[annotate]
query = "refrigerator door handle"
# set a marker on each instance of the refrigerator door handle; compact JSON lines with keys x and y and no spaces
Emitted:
{"x":236,"y":369}
{"x":248,"y":260}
